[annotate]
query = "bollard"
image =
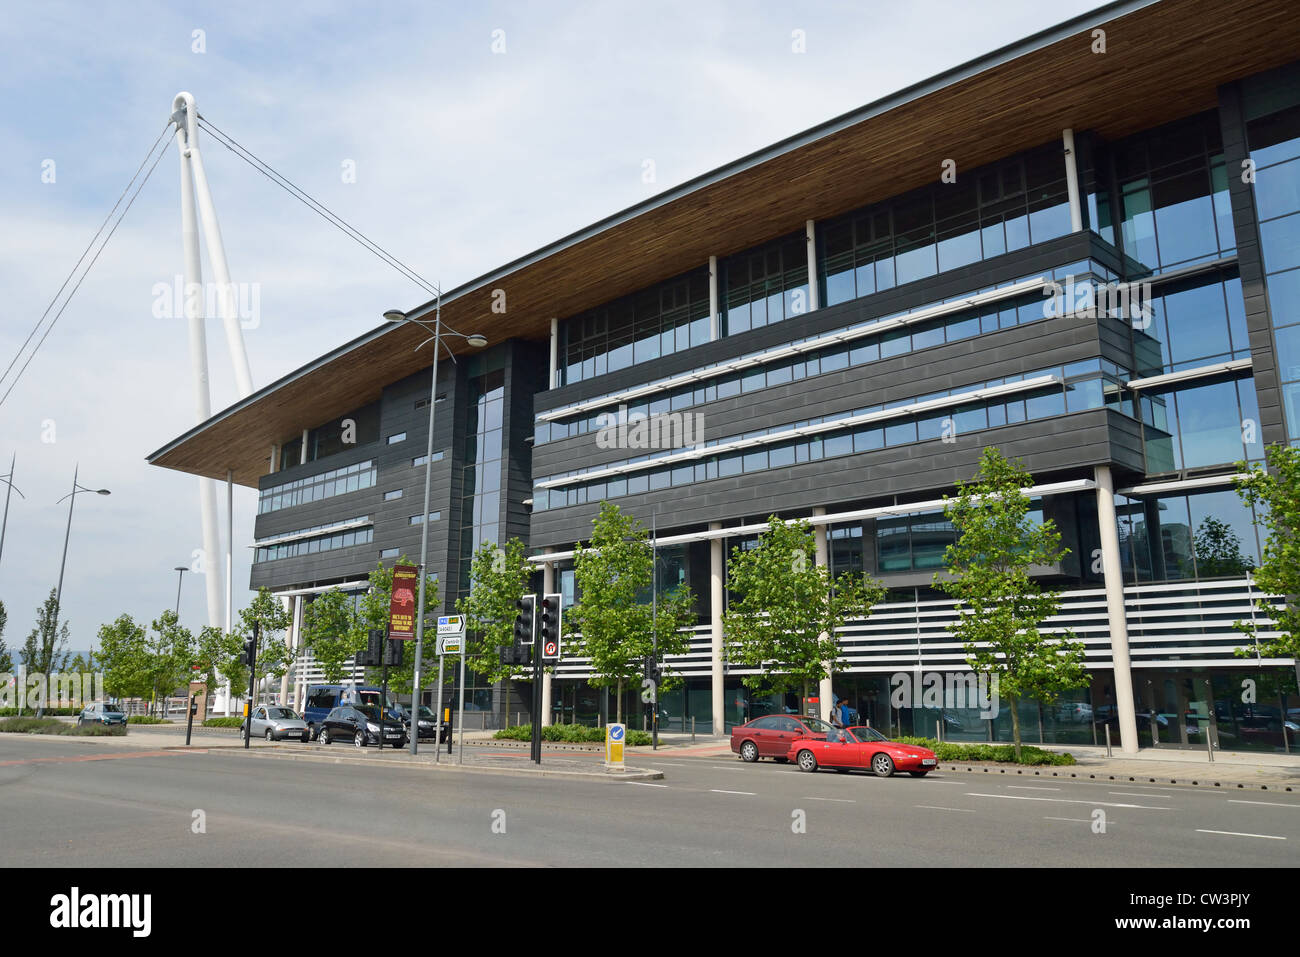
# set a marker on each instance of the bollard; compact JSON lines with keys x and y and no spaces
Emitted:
{"x":938,"y":728}
{"x":692,"y":729}
{"x":1209,"y":742}
{"x":1107,"y":740}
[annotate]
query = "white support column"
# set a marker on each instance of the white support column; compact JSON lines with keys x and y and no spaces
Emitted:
{"x":715,"y":318}
{"x":193,"y":304}
{"x":814,"y":296}
{"x":548,"y":587}
{"x":275,"y":459}
{"x":1072,"y":181}
{"x":719,"y":694}
{"x":302,"y":459}
{"x":555,"y":354}
{"x":825,"y":689}
{"x":290,"y":638}
{"x":1111,"y":569}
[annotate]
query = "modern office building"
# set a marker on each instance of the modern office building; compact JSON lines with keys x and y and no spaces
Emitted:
{"x":1083,"y":248}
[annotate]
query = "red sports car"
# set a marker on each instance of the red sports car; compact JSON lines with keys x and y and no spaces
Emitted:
{"x":773,"y":735}
{"x":863,"y":749}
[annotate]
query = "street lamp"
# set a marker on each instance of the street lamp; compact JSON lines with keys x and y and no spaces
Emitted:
{"x":180,"y":570}
{"x":477,"y":341}
{"x":72,"y":496}
{"x":11,"y":487}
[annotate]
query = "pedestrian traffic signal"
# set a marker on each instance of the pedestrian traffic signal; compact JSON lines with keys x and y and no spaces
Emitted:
{"x":525,"y":623}
{"x":249,"y":657}
{"x":371,"y":656}
{"x":394,"y":649}
{"x":550,"y":627}
{"x":653,"y":670}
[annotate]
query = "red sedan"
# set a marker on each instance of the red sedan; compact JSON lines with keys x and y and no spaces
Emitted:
{"x":773,"y":735}
{"x":862,"y":749}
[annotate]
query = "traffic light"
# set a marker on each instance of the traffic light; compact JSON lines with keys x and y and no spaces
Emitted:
{"x":513,"y":655}
{"x":653,"y":670}
{"x":393,"y":651}
{"x":249,"y":656}
{"x":525,"y":624}
{"x":371,"y":656}
{"x":550,"y":627}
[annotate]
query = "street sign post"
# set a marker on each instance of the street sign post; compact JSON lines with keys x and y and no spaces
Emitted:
{"x":615,"y":738}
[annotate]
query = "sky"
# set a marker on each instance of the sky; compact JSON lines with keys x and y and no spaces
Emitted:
{"x":458,"y":136}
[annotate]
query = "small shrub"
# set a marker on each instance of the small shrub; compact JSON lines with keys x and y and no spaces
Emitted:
{"x":224,"y":723}
{"x":146,"y":719}
{"x":1002,"y":753}
{"x":569,"y":734}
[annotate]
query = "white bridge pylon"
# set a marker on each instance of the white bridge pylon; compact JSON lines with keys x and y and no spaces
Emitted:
{"x":194,"y":184}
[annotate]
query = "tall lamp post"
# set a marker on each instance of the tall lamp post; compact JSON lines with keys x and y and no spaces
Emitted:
{"x":63,"y":563}
{"x":10,"y":488}
{"x":180,"y":576}
{"x":477,"y":341}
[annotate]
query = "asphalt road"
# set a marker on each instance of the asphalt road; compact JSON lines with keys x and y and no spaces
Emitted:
{"x":65,"y":802}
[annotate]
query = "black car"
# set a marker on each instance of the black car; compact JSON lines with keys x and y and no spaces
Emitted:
{"x":359,"y":723}
{"x":428,"y":724}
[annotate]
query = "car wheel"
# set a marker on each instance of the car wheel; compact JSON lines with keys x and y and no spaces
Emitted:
{"x":306,"y":736}
{"x":359,"y":739}
{"x":80,"y":722}
{"x":883,"y":765}
{"x":270,"y":736}
{"x":807,"y":761}
{"x":324,"y":737}
{"x":918,"y":774}
{"x":749,"y":752}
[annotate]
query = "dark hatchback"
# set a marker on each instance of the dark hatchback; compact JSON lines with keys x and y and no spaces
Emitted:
{"x":359,"y":723}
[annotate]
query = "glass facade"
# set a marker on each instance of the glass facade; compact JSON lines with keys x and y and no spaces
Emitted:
{"x":360,"y":426}
{"x":666,"y":318}
{"x":1273,"y":134}
{"x":960,"y":325}
{"x":764,"y":285}
{"x":350,"y":478}
{"x":991,"y":211}
{"x":1091,"y":384}
{"x":318,"y":543}
{"x":1173,"y":193}
{"x":485,"y":450}
{"x":1179,"y":537}
{"x":1198,"y":424}
{"x":1192,"y":323}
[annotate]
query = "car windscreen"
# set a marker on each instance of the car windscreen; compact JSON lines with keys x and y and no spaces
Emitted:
{"x":371,"y":711}
{"x":281,"y":713}
{"x":867,"y":734}
{"x":817,"y":725}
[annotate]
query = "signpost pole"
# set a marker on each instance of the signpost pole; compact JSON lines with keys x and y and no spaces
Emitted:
{"x":537,"y":702}
{"x":460,"y":717}
{"x":437,"y":705}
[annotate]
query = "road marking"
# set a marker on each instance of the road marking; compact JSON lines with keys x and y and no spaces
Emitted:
{"x":932,"y":807}
{"x":837,"y":800}
{"x":717,"y":791}
{"x":722,"y":767}
{"x":1265,"y":803}
{"x":1075,"y":820}
{"x":646,"y":784}
{"x":1129,"y":794}
{"x":670,"y":764}
{"x":1030,"y":787}
{"x":1271,"y":837}
{"x":1026,"y":797}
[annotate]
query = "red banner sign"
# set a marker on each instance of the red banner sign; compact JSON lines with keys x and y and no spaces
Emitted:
{"x":401,"y":610}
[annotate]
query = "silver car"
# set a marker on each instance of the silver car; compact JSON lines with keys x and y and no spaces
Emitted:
{"x":278,"y":723}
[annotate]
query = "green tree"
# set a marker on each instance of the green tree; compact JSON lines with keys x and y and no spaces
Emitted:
{"x":1218,"y":550}
{"x":786,"y":610}
{"x":1275,"y":495}
{"x":45,"y":650}
{"x":209,"y":653}
{"x":273,"y":657}
{"x":6,"y":660}
{"x":123,"y":658}
{"x":499,"y":576}
{"x":169,"y":649}
{"x":614,"y":623}
{"x":331,"y":632}
{"x":999,"y":607}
